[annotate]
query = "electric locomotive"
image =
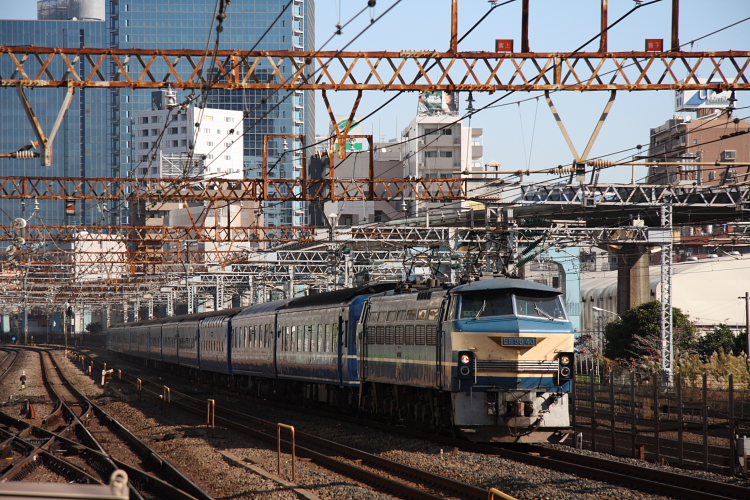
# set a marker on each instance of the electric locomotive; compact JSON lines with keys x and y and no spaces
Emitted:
{"x":491,"y":360}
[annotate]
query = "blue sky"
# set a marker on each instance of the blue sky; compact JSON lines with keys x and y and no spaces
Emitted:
{"x":555,"y":26}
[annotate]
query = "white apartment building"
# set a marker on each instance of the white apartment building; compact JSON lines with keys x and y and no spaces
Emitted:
{"x":166,"y":135}
{"x":437,"y":148}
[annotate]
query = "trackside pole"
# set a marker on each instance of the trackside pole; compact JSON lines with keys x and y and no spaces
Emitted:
{"x":294,"y":447}
{"x":211,"y":418}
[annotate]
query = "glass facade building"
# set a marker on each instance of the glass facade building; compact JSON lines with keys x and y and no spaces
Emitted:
{"x":97,"y":139}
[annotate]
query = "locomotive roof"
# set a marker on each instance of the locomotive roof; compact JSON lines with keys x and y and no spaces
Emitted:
{"x":264,"y":307}
{"x":339,"y":296}
{"x":504,"y":284}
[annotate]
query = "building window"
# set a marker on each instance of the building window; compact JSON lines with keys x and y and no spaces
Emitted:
{"x":446,"y":154}
{"x":143,"y":133}
{"x":154,"y":131}
{"x":175,"y":144}
{"x":142,"y":145}
{"x":210,"y":157}
{"x":218,"y":131}
{"x":183,"y":130}
{"x":712,"y":176}
{"x":208,"y":118}
{"x":207,"y":130}
{"x":227,"y":157}
{"x":173,"y":130}
{"x":209,"y":143}
{"x":378,"y":216}
{"x":183,"y":142}
{"x":143,"y":119}
{"x":430,"y":154}
{"x":227,"y":144}
{"x":229,"y":119}
{"x":448,"y":131}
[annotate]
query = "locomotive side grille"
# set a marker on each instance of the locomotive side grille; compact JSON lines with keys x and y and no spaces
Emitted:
{"x":419,"y":335}
{"x":409,"y":335}
{"x":399,"y":334}
{"x":380,"y":334}
{"x":370,"y":334}
{"x":389,"y":334}
{"x":518,"y":366}
{"x":431,"y":335}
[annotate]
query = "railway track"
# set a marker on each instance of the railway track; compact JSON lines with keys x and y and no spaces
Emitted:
{"x":68,"y":443}
{"x":645,"y":479}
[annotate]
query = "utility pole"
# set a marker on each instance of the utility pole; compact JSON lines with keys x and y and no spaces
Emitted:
{"x":667,"y":338}
{"x":25,"y":310}
{"x":747,"y":321}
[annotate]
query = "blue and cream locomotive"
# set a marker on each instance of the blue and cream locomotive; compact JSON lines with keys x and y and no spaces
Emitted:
{"x":491,"y":360}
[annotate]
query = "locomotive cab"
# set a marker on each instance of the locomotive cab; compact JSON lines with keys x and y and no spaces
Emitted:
{"x":507,"y":339}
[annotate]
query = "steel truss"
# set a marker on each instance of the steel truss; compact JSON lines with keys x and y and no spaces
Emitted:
{"x":395,"y":71}
{"x":231,"y":191}
{"x":644,"y":195}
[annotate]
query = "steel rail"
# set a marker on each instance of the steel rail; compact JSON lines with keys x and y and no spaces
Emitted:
{"x":641,"y":478}
{"x":394,"y":468}
{"x":175,"y":479}
{"x":154,"y":486}
{"x":8,"y":361}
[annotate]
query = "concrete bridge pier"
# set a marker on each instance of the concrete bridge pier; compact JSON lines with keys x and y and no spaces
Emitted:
{"x":633,"y":283}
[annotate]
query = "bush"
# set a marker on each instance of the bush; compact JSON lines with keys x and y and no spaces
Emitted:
{"x":636,"y":335}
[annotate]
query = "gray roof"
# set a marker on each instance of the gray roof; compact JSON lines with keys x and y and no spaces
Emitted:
{"x":504,"y":284}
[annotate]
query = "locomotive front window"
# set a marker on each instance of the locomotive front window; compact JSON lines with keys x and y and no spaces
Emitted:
{"x":540,"y":305}
{"x":486,"y":303}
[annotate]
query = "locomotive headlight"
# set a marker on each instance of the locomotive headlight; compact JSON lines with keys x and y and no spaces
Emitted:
{"x":465,"y":365}
{"x":565,"y":367}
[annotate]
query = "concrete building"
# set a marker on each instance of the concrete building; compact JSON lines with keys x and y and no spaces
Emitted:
{"x":691,"y":141}
{"x":194,"y":142}
{"x":437,"y":148}
{"x":356,"y":166}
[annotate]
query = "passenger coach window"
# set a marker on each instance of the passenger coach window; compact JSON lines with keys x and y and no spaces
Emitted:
{"x":483,"y":304}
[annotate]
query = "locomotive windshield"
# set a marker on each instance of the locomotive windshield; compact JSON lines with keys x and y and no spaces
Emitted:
{"x":542,"y":305}
{"x":486,"y":303}
{"x":500,"y":303}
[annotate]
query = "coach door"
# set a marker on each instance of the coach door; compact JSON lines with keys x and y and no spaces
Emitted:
{"x":439,"y":345}
{"x":363,"y":343}
{"x":340,"y":349}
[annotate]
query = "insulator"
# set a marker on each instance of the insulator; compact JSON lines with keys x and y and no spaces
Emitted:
{"x":561,"y":170}
{"x":25,"y":155}
{"x":599,"y":163}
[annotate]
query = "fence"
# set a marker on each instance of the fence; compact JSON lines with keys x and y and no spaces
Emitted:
{"x":693,"y":427}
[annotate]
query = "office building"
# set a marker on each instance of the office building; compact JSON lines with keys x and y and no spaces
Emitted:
{"x":97,"y":137}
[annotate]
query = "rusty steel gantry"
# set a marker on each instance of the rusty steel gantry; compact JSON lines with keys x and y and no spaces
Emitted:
{"x":452,"y":70}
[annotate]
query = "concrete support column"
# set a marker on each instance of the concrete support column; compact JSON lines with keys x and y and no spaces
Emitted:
{"x":633,"y":284}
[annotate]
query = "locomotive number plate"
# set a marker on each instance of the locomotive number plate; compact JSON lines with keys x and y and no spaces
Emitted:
{"x":519,"y":341}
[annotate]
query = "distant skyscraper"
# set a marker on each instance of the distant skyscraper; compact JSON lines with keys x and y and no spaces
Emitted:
{"x":97,"y":136}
